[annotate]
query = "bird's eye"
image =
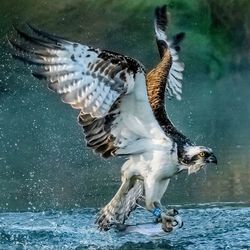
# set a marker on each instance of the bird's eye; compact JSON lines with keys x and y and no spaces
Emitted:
{"x":201,"y":154}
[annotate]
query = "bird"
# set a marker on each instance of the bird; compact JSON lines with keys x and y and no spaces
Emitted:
{"x":122,"y":112}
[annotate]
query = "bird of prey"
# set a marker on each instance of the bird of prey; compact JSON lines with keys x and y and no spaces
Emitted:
{"x":122,"y":112}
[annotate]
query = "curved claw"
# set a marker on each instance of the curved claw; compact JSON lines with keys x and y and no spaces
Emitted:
{"x":175,"y":212}
{"x":175,"y":223}
{"x":104,"y":223}
{"x":171,"y":220}
{"x":181,"y":224}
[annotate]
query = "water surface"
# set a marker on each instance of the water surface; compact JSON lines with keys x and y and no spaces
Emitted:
{"x":210,"y":226}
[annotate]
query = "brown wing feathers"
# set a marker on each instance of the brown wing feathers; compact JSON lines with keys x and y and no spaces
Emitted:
{"x":156,"y":82}
{"x":158,"y":78}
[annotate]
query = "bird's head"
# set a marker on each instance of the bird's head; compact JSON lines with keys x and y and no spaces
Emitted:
{"x":196,"y":157}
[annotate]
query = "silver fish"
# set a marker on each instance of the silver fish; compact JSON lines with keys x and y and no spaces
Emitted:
{"x":150,"y":229}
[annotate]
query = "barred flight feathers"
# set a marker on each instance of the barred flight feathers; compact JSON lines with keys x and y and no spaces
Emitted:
{"x":175,"y":76}
{"x":89,"y":79}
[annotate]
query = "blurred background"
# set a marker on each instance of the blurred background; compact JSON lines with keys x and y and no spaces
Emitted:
{"x":44,"y":163}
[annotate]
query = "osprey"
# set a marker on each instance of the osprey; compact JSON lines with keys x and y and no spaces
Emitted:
{"x":122,"y":112}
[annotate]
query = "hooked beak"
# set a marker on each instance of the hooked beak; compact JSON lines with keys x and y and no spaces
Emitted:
{"x":212,"y":159}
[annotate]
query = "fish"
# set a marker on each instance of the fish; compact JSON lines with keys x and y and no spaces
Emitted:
{"x":149,"y":229}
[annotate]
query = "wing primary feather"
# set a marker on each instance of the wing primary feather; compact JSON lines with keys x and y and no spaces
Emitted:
{"x":51,"y":37}
{"x":161,"y":17}
{"x":160,"y":25}
{"x":37,"y":41}
{"x":164,"y":46}
{"x":24,"y":49}
{"x":24,"y":59}
{"x":178,"y":38}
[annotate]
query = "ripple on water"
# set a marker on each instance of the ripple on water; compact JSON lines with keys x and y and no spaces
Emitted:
{"x":210,"y":226}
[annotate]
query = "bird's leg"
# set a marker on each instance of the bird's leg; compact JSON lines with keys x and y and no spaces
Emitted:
{"x":124,"y":201}
{"x":154,"y":190}
{"x":112,"y":213}
{"x":167,"y":217}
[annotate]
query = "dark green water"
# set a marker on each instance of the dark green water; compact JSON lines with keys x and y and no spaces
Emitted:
{"x":44,"y":163}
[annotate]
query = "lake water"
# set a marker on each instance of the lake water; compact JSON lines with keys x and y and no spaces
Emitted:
{"x":210,"y":226}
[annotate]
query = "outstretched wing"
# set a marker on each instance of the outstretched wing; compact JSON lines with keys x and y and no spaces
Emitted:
{"x":92,"y":80}
{"x":175,"y":76}
{"x":166,"y":76}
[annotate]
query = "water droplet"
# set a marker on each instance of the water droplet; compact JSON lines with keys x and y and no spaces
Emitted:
{"x":32,"y":174}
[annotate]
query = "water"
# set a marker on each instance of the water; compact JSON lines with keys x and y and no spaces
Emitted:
{"x":209,"y":226}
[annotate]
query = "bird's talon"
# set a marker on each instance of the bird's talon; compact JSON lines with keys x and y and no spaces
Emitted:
{"x":181,"y":224}
{"x":170,"y":220}
{"x":175,"y":223}
{"x":175,"y":212}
